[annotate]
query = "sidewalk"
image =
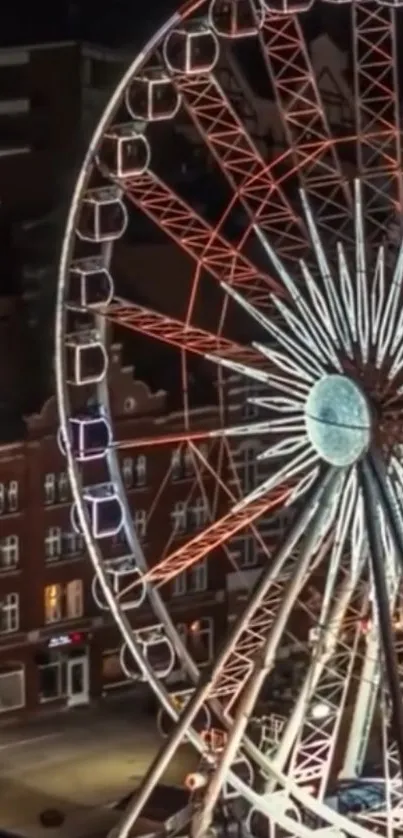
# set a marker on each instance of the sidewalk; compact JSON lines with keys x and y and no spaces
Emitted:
{"x":75,"y":761}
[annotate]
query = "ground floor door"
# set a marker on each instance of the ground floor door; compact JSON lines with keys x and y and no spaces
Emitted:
{"x":77,"y":681}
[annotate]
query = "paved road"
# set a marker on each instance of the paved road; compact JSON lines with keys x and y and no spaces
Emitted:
{"x":75,"y":761}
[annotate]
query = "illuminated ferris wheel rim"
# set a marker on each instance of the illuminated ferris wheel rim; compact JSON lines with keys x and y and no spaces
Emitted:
{"x":62,"y":400}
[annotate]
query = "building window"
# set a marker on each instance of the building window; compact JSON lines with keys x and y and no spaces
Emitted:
{"x":176,"y":464}
{"x":63,"y":487}
{"x":203,"y":451}
{"x":64,"y":602}
{"x":9,"y":497}
{"x":74,"y":599}
{"x":127,"y":472}
{"x":12,"y":687}
{"x":9,"y":552}
{"x":53,"y":543}
{"x":188,"y":462}
{"x":249,"y":467}
{"x":141,"y":470}
{"x":250,"y":410}
{"x":72,"y":543}
{"x":182,"y":463}
{"x":179,"y":517}
{"x":53,"y":603}
{"x":199,"y":513}
{"x":179,"y":584}
{"x":248,"y":552}
{"x":50,"y":489}
{"x":12,"y":496}
{"x":191,"y":581}
{"x":9,"y":614}
{"x":200,"y":640}
{"x":140,"y":523}
{"x":134,"y":471}
{"x":197,"y":577}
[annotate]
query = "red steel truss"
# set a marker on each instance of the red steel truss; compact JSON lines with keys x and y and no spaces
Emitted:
{"x":211,"y":538}
{"x":174,"y":332}
{"x":241,"y":163}
{"x":197,"y":238}
{"x":304,"y":120}
{"x":377,"y":111}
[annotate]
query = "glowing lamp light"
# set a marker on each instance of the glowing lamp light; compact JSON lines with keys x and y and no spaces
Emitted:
{"x":320,"y":711}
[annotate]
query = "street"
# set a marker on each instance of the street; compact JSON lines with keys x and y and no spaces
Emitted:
{"x":78,"y":760}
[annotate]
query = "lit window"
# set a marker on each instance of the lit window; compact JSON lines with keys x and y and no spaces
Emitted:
{"x":53,"y":543}
{"x":9,"y":614}
{"x":53,"y":603}
{"x":140,"y":523}
{"x":179,"y":517}
{"x":9,"y":555}
{"x":141,"y":470}
{"x":127,"y":472}
{"x":74,"y":599}
{"x":200,"y":640}
{"x":12,"y":496}
{"x":63,"y":487}
{"x":50,"y":489}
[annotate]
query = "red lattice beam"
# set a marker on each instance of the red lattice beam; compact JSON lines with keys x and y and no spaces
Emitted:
{"x":304,"y":120}
{"x":377,"y":109}
{"x":211,"y":538}
{"x":241,"y":163}
{"x":197,"y":238}
{"x":175,"y":333}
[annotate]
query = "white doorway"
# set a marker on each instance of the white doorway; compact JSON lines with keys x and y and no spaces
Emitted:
{"x":77,"y":681}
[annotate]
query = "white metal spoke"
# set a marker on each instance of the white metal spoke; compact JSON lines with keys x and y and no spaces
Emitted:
{"x":298,"y":352}
{"x":387,"y":331}
{"x":314,"y":326}
{"x":333,"y":300}
{"x":347,"y":292}
{"x":286,"y":363}
{"x":304,"y":461}
{"x":361,"y":276}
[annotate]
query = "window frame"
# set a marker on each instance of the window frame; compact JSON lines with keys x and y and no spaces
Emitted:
{"x":49,"y":481}
{"x":10,"y":544}
{"x":10,"y":605}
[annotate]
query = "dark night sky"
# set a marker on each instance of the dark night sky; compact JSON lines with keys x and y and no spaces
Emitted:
{"x":107,"y":21}
{"x":115,"y":22}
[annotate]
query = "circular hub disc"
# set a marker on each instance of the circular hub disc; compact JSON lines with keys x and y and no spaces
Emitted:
{"x":338,"y":420}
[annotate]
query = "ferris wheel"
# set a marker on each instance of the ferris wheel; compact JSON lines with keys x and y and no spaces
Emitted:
{"x":296,"y":245}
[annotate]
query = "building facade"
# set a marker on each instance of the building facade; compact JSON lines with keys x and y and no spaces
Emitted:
{"x":58,"y":645}
{"x":40,"y":111}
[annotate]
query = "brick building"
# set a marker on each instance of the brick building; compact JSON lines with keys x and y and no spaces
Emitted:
{"x":40,"y":108}
{"x":57,"y":646}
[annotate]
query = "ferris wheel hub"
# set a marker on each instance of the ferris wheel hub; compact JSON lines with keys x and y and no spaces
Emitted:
{"x":338,"y":420}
